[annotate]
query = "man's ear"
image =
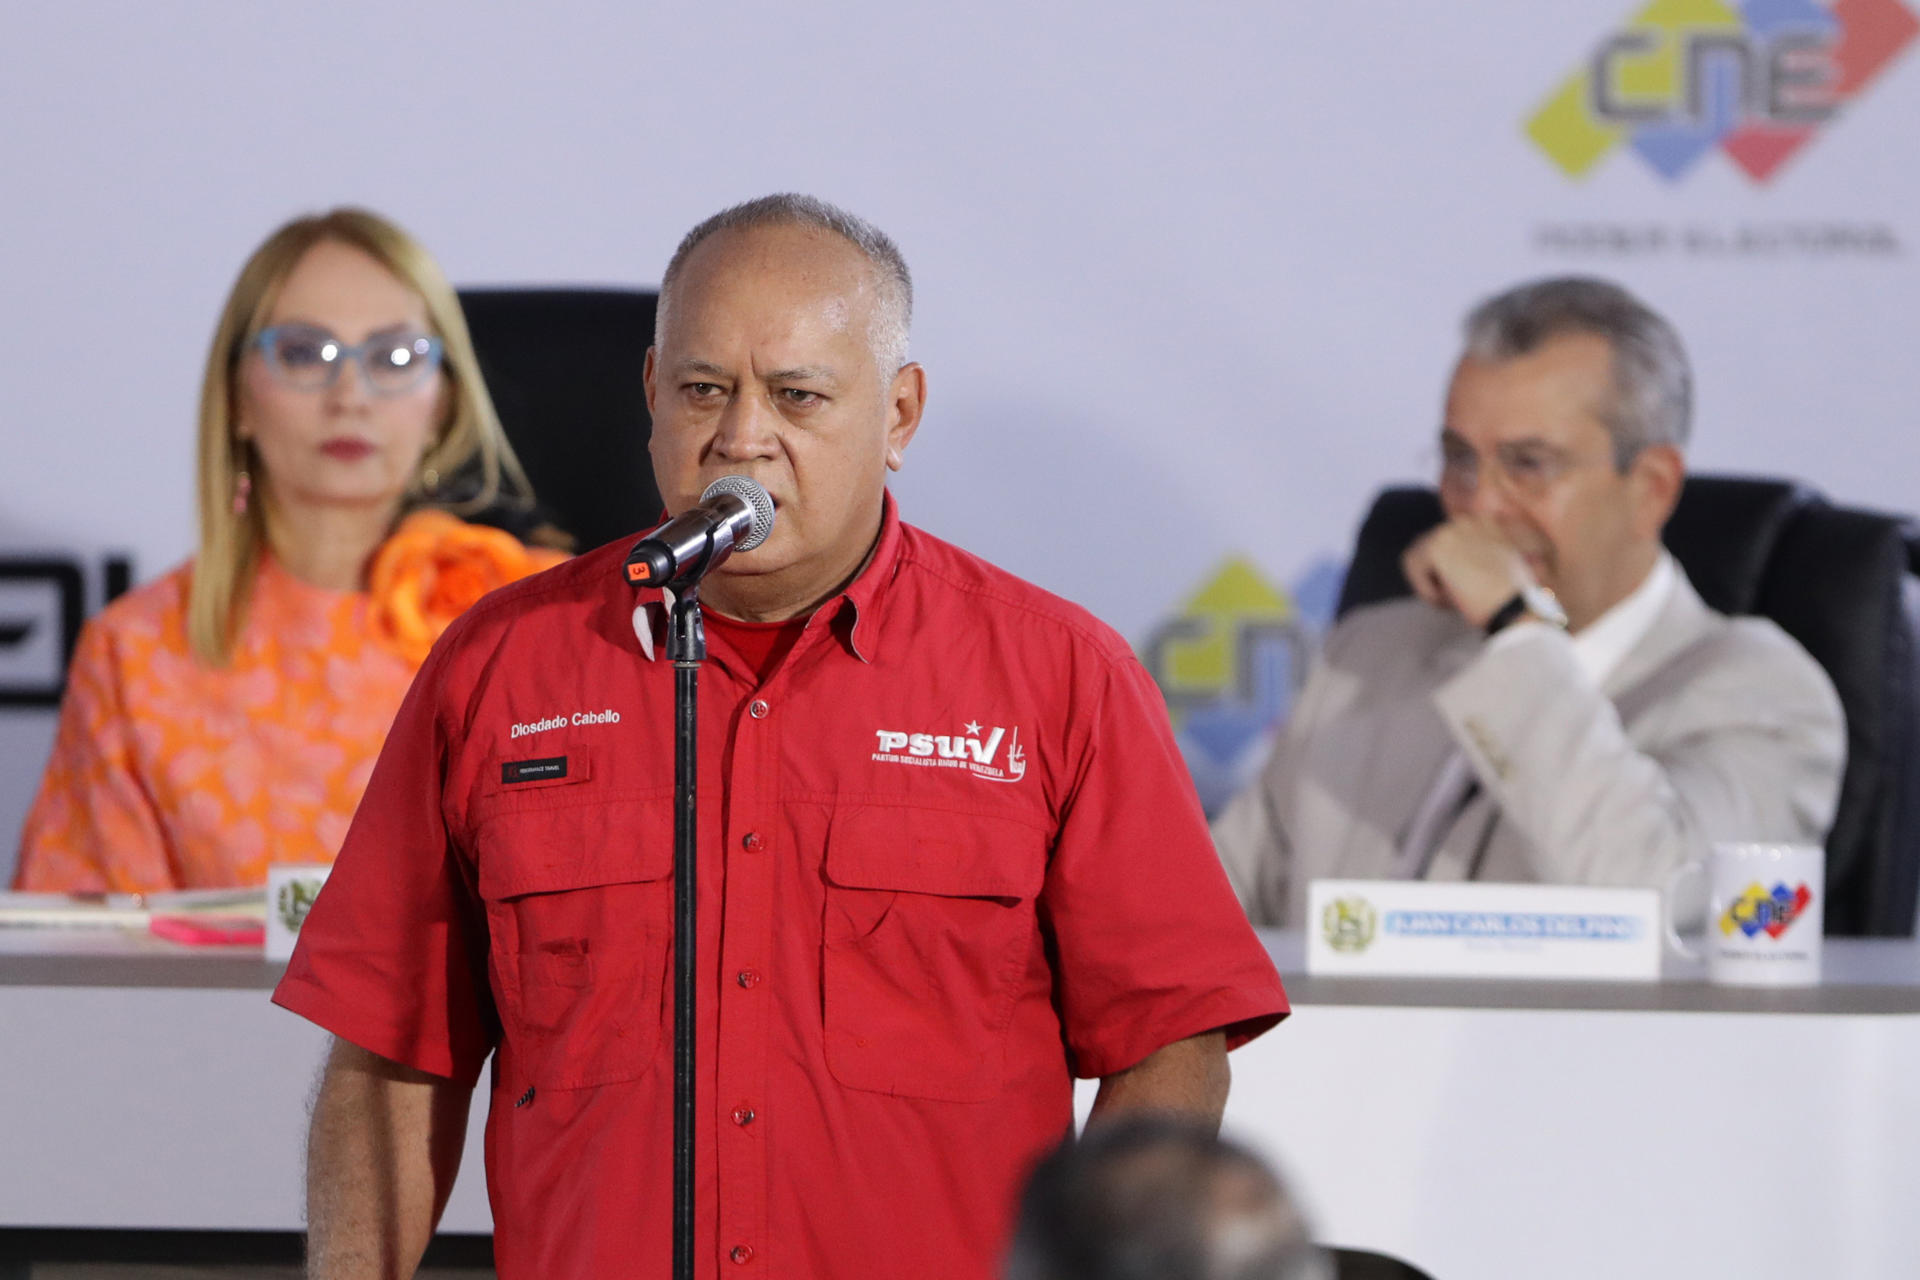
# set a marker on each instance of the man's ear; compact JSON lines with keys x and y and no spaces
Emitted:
{"x":907,"y":401}
{"x":1656,"y":475}
{"x":647,"y":369}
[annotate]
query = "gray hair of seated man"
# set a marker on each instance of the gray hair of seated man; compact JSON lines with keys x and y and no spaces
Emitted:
{"x":1159,"y":1197}
{"x":1653,"y":385}
{"x":893,"y":294}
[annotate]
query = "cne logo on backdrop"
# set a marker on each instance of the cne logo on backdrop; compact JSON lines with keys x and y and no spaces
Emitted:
{"x":1229,"y":663}
{"x":1757,"y":81}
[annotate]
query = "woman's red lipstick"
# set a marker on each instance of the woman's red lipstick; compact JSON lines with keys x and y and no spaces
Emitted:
{"x":346,"y":448}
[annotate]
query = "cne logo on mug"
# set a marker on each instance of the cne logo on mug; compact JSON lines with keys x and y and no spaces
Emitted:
{"x":1758,"y":910}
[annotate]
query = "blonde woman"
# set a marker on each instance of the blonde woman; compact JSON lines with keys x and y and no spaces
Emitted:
{"x":227,"y":716}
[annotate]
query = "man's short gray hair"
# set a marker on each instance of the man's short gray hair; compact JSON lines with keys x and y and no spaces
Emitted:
{"x":1653,"y":387}
{"x":893,"y":301}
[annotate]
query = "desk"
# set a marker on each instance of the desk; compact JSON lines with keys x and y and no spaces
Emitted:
{"x":154,"y":1086}
{"x":1485,"y":1130}
{"x":1558,"y":1131}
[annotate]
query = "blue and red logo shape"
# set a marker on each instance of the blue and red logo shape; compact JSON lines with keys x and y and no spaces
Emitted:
{"x":1756,"y":81}
{"x":1769,"y":911}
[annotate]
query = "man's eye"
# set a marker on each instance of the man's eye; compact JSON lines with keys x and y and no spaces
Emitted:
{"x":703,"y":389}
{"x":1529,"y":463}
{"x":796,"y":396}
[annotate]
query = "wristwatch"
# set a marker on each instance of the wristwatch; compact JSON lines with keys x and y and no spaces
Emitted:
{"x":1531,"y":599}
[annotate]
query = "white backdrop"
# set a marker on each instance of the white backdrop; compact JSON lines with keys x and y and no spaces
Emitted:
{"x":1189,"y":278}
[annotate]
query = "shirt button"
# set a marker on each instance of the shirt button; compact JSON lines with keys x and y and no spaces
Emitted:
{"x":743,"y":1116}
{"x":742,"y":1254}
{"x":758,"y":710}
{"x":748,"y":978}
{"x":752,"y":842}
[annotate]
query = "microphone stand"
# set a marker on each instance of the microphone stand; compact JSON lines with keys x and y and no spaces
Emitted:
{"x":687,"y":647}
{"x":690,"y":548}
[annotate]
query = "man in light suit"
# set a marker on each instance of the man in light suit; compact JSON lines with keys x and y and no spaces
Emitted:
{"x":1556,"y":704}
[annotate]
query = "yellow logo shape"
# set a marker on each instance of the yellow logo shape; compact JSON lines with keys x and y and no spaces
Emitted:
{"x":1207,"y":659}
{"x":1649,"y":71}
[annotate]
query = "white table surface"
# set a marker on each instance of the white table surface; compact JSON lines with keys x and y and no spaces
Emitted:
{"x":1479,"y":1129}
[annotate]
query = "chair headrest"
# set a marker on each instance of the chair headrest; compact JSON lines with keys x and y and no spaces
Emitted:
{"x":1397,"y":517}
{"x":1723,"y":532}
{"x":564,"y":369}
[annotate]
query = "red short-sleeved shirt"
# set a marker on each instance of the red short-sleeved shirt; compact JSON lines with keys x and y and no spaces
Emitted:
{"x":949,"y":859}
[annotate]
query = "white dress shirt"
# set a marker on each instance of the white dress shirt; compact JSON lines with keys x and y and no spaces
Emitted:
{"x":1607,"y":640}
{"x":1599,"y":649}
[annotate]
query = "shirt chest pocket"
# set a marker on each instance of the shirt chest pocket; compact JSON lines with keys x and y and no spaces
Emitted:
{"x":579,"y":905}
{"x":929,"y":934}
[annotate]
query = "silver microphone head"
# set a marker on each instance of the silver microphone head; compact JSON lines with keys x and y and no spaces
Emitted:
{"x":758,"y":501}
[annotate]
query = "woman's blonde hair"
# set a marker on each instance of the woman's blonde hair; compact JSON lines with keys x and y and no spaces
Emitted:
{"x":230,"y":543}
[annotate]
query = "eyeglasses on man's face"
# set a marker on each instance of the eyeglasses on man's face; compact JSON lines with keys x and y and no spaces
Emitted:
{"x":307,"y":357}
{"x":1529,"y":468}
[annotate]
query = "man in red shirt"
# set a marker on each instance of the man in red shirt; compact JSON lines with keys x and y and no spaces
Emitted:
{"x":949,"y":857}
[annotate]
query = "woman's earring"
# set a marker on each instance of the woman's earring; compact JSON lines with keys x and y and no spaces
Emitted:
{"x":430,"y":480}
{"x":242,"y":490}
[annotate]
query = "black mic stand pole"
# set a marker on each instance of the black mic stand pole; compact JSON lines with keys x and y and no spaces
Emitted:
{"x":687,"y":647}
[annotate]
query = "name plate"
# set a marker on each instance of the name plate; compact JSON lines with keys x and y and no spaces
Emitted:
{"x":291,"y":890}
{"x":1413,"y":928}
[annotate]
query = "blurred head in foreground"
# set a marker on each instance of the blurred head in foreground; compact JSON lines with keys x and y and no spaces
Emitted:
{"x":1158,"y":1197}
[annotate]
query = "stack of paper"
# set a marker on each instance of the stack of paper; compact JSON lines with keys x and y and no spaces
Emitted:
{"x":124,"y":910}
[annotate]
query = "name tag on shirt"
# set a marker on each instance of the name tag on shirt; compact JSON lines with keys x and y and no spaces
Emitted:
{"x":1415,"y":929}
{"x":533,"y":770}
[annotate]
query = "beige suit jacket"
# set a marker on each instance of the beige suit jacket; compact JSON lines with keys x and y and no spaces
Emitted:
{"x":1711,"y":728}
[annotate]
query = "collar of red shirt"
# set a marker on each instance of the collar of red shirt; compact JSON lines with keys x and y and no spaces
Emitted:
{"x":854,"y":614}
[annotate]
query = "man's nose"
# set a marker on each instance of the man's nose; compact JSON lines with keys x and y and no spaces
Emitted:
{"x":746,"y":428}
{"x":1489,"y":495}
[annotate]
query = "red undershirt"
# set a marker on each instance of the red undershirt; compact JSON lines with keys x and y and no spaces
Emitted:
{"x":761,"y":645}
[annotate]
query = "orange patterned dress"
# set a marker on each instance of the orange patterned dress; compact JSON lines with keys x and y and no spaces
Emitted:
{"x":168,"y":774}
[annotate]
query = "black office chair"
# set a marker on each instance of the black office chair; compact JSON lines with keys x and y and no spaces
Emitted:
{"x":564,"y":368}
{"x":1359,"y":1264}
{"x":1839,"y":581}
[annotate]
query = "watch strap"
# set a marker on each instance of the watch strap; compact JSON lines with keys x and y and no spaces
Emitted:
{"x":1507,"y":614}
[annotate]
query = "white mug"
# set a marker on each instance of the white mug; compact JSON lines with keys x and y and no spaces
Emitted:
{"x":291,"y":889}
{"x":1765,"y":904}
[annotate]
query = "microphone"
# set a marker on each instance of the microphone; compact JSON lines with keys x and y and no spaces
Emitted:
{"x":735,"y":514}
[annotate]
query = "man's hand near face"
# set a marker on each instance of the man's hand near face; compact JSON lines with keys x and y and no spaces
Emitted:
{"x":1467,"y":565}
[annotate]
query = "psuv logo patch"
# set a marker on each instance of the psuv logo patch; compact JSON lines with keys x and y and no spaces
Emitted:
{"x":974,"y":749}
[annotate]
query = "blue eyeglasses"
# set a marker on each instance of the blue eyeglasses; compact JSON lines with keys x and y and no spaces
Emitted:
{"x":308,"y":358}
